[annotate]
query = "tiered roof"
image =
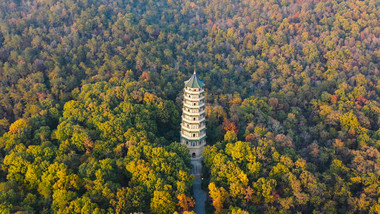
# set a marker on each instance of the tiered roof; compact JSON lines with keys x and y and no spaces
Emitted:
{"x":194,"y":82}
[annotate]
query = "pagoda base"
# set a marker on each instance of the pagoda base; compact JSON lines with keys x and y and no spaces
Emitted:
{"x":196,"y":152}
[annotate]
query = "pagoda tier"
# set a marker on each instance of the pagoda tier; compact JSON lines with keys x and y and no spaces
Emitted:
{"x":193,"y":126}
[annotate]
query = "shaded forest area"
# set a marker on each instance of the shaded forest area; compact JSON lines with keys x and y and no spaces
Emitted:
{"x":91,"y":97}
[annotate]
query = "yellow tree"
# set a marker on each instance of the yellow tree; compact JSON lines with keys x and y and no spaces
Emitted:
{"x":185,"y":203}
{"x":218,"y":195}
{"x":162,"y":203}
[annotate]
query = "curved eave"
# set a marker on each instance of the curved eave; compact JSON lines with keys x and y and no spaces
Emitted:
{"x":194,"y":131}
{"x":194,"y":107}
{"x":193,"y":121}
{"x":194,"y":99}
{"x":191,"y":114}
{"x":193,"y":139}
{"x":201,"y":91}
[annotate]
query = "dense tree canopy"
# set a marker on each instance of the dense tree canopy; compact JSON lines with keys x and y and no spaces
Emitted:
{"x":107,"y":154}
{"x":91,"y":92}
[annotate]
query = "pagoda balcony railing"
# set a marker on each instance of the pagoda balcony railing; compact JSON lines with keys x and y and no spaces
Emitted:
{"x":192,"y":137}
{"x":191,"y":120}
{"x":194,"y":91}
{"x":191,"y":102}
{"x":193,"y":97}
{"x":195,"y":145}
{"x":197,"y":134}
{"x":191,"y":105}
{"x":193,"y":110}
{"x":194,"y":113}
{"x":193,"y":128}
{"x":200,"y":126}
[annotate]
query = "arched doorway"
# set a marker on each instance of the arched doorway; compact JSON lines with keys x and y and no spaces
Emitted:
{"x":193,"y":155}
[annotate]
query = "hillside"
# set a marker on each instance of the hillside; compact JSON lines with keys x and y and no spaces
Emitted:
{"x":91,"y":97}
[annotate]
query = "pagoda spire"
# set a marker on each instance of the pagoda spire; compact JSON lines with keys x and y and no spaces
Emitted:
{"x":194,"y":81}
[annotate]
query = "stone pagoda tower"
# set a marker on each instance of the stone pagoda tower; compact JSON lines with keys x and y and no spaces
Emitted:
{"x":193,"y":126}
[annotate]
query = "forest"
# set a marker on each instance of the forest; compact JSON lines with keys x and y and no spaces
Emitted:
{"x":91,"y":96}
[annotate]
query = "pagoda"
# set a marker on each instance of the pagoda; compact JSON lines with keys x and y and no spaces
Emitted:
{"x":193,"y":126}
